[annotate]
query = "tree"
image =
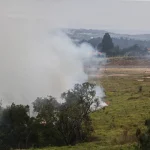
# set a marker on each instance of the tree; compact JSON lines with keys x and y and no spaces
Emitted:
{"x":68,"y":123}
{"x":144,"y":138}
{"x":74,"y":122}
{"x":115,"y":51}
{"x":135,"y":50}
{"x":106,"y":44}
{"x":55,"y":124}
{"x":0,"y":110}
{"x":46,"y":109}
{"x":14,"y":126}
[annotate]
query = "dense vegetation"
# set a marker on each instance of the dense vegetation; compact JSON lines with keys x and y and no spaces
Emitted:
{"x":116,"y":126}
{"x":121,"y":42}
{"x":123,"y":125}
{"x":107,"y":46}
{"x":54,"y":124}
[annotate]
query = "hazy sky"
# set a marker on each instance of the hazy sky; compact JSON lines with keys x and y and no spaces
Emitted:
{"x":117,"y":15}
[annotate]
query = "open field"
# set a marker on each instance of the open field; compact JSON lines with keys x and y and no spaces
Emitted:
{"x":142,"y":62}
{"x":105,"y":72}
{"x":123,"y":66}
{"x":115,"y":126}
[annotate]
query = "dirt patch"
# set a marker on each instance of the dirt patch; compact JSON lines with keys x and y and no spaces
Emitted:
{"x":128,"y":61}
{"x":144,"y":70}
{"x":120,"y":72}
{"x":146,"y":77}
{"x":140,"y":80}
{"x":119,"y":75}
{"x":122,"y":67}
{"x":126,"y":71}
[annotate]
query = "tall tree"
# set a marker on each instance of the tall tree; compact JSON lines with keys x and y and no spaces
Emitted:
{"x":14,"y":126}
{"x":106,"y":44}
{"x":74,"y":121}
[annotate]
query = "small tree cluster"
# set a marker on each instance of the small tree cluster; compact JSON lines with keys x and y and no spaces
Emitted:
{"x":55,"y":124}
{"x":107,"y":47}
{"x":144,"y":138}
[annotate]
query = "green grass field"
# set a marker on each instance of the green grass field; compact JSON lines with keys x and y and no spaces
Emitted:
{"x":115,"y":126}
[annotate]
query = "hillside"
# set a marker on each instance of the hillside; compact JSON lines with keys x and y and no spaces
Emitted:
{"x":121,"y":42}
{"x":116,"y":125}
{"x":80,"y":34}
{"x":94,"y":37}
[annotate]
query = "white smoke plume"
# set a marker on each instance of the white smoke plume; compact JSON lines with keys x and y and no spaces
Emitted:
{"x":35,"y":62}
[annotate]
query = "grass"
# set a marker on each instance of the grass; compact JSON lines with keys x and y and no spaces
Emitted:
{"x":115,"y":126}
{"x":90,"y":146}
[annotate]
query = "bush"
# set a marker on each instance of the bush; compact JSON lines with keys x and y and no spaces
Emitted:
{"x":144,"y":138}
{"x":54,"y":125}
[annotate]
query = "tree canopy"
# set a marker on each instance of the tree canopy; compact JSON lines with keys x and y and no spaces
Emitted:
{"x":106,"y":45}
{"x":54,"y":124}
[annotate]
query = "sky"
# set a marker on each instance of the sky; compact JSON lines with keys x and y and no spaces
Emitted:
{"x":121,"y":16}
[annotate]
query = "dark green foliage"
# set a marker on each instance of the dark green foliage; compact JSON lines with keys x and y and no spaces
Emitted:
{"x":14,"y":126}
{"x":54,"y":124}
{"x":140,"y":89}
{"x":144,"y":138}
{"x":115,"y":51}
{"x":74,"y":122}
{"x":135,"y":50}
{"x":0,"y":110}
{"x":106,"y":44}
{"x":46,"y":119}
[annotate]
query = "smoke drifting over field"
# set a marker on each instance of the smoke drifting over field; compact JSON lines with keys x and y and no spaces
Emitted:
{"x":35,"y":62}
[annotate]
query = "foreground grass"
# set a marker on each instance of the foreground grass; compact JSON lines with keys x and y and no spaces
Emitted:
{"x":91,"y":147}
{"x":115,"y":126}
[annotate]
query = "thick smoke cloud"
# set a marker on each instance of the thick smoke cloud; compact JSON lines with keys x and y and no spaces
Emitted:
{"x":34,"y":61}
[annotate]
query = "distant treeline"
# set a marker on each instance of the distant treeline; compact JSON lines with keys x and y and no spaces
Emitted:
{"x":121,"y":42}
{"x":119,"y":47}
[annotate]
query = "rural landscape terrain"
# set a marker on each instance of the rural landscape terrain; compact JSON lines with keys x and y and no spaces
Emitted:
{"x":126,"y":82}
{"x":116,"y":125}
{"x":123,"y":123}
{"x":74,"y":75}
